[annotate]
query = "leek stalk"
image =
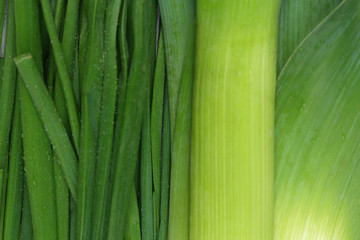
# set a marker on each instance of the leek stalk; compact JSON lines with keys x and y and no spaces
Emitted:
{"x":232,"y":155}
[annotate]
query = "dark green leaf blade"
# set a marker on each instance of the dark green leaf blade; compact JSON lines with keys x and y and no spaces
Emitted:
{"x":50,"y":118}
{"x":297,"y":19}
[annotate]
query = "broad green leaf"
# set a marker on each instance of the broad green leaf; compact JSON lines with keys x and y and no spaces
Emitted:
{"x":317,"y":177}
{"x":297,"y":19}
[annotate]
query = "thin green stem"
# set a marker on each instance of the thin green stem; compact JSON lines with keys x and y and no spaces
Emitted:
{"x":146,"y":178}
{"x":178,"y":22}
{"x":73,"y":218}
{"x":26,"y":229}
{"x":63,"y":73}
{"x":133,"y":231}
{"x":120,"y":105}
{"x":146,"y":183}
{"x":62,"y":191}
{"x":7,"y":94}
{"x":50,"y":118}
{"x":37,"y":149}
{"x":2,"y":21}
{"x":107,"y":116}
{"x":131,"y":127}
{"x":59,"y":14}
{"x":55,"y":89}
{"x":69,"y":43}
{"x":92,"y":65}
{"x":156,"y":128}
{"x":165,"y":170}
{"x":14,"y":194}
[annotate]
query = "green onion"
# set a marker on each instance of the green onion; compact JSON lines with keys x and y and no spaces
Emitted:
{"x":63,"y":73}
{"x":54,"y":86}
{"x":92,"y":79}
{"x":3,"y":5}
{"x":50,"y":118}
{"x":156,"y":128}
{"x":107,"y":115}
{"x":165,"y":172}
{"x":14,"y":194}
{"x":139,"y":76}
{"x":37,"y":149}
{"x":178,"y":24}
{"x":7,"y":94}
{"x":26,"y":228}
{"x":133,"y":226}
{"x":146,"y":158}
{"x":58,"y":17}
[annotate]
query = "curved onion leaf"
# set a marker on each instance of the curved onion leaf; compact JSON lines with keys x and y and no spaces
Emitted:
{"x":297,"y":19}
{"x":317,"y":176}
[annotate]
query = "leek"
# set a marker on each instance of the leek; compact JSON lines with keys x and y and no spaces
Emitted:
{"x":232,"y":157}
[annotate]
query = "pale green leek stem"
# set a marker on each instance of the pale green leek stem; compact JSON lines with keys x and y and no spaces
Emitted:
{"x":232,"y":159}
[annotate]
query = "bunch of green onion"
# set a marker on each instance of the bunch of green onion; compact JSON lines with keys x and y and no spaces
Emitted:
{"x":180,"y":119}
{"x":89,"y":124}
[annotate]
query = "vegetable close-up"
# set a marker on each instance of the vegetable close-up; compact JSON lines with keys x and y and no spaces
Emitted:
{"x":180,"y":119}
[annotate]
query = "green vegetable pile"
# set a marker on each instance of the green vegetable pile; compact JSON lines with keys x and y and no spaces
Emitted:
{"x":180,"y":119}
{"x":88,"y":120}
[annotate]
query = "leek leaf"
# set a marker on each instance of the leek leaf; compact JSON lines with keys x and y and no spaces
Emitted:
{"x":317,"y":132}
{"x":297,"y":19}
